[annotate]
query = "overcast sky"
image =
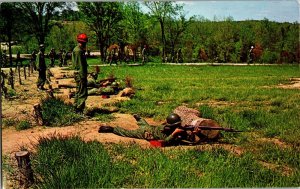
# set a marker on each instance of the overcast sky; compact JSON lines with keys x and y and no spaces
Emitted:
{"x":274,"y":10}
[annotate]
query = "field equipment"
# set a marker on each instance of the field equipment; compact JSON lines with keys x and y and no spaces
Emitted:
{"x":82,"y":38}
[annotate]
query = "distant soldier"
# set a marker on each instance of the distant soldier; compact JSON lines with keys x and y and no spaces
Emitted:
{"x":179,"y":56}
{"x":61,"y":60}
{"x":2,"y":83}
{"x":80,"y":65}
{"x":65,"y":58}
{"x":52,"y":55}
{"x":144,"y":55}
{"x":33,"y":59}
{"x":4,"y":58}
{"x":41,"y":68}
{"x":251,"y":54}
{"x":114,"y":56}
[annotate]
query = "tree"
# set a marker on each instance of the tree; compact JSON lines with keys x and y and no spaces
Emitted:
{"x":135,"y":22}
{"x":161,"y":10}
{"x":102,"y":18}
{"x":9,"y":23}
{"x":38,"y":16}
{"x":177,"y":24}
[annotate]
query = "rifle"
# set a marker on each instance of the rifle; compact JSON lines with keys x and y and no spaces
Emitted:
{"x":170,"y":128}
{"x":191,"y":127}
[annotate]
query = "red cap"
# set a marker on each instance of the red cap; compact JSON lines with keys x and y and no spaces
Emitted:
{"x":82,"y":38}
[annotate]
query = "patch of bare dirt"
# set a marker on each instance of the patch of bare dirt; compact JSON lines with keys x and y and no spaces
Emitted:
{"x":294,"y":84}
{"x":275,"y":141}
{"x":284,"y":170}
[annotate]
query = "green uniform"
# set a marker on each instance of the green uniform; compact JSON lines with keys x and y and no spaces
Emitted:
{"x":144,"y":55}
{"x":80,"y":65}
{"x":145,"y":131}
{"x":41,"y":67}
{"x":64,"y":57}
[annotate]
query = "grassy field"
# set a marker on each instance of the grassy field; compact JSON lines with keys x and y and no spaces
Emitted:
{"x":239,"y":97}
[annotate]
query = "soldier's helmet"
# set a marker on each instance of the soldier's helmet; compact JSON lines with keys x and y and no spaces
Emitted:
{"x":82,"y":38}
{"x":173,"y":119}
{"x":42,"y":46}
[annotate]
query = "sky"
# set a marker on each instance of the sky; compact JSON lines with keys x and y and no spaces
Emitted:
{"x":273,"y":10}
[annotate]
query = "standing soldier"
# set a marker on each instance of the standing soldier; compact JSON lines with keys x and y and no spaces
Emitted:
{"x":41,"y":68}
{"x":52,"y":57}
{"x":33,"y":58}
{"x":4,"y":58}
{"x":65,"y":58}
{"x":251,"y":55}
{"x":80,"y":65}
{"x":179,"y":56}
{"x":144,"y":54}
{"x":61,"y":59}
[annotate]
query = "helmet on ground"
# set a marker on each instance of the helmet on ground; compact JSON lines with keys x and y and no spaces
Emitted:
{"x":82,"y":38}
{"x":173,"y":119}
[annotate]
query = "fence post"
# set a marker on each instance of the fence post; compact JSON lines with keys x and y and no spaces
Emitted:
{"x":25,"y":172}
{"x":19,"y":70}
{"x":24,"y":69}
{"x":11,"y":78}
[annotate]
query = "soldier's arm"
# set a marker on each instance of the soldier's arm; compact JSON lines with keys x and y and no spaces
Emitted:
{"x":76,"y":60}
{"x":174,"y":135}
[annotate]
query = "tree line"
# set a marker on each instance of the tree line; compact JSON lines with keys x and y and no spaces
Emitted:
{"x":165,"y":28}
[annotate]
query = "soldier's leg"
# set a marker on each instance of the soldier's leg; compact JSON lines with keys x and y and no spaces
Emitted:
{"x":42,"y":79}
{"x":82,"y":94}
{"x":138,"y":133}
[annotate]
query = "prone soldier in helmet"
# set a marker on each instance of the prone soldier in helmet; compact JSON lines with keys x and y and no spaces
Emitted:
{"x":183,"y":126}
{"x":80,"y":65}
{"x":41,"y":67}
{"x":148,"y":132}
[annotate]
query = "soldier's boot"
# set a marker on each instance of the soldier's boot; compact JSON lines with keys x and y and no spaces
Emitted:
{"x":106,"y":129}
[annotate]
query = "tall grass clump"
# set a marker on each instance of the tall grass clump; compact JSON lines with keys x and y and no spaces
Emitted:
{"x":56,"y":112}
{"x":68,"y":162}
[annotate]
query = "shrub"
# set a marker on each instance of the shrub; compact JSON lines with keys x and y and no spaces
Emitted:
{"x":23,"y":125}
{"x":9,"y":122}
{"x":56,"y":112}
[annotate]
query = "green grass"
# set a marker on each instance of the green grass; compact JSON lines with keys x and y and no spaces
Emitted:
{"x":70,"y":163}
{"x":243,"y":98}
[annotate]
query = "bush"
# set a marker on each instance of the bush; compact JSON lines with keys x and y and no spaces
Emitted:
{"x":269,"y":57}
{"x":56,"y":112}
{"x":23,"y":125}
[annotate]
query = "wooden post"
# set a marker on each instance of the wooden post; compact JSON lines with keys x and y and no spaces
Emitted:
{"x":11,"y":78}
{"x":24,"y":69}
{"x":25,"y":172}
{"x":19,"y":73}
{"x":38,"y":114}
